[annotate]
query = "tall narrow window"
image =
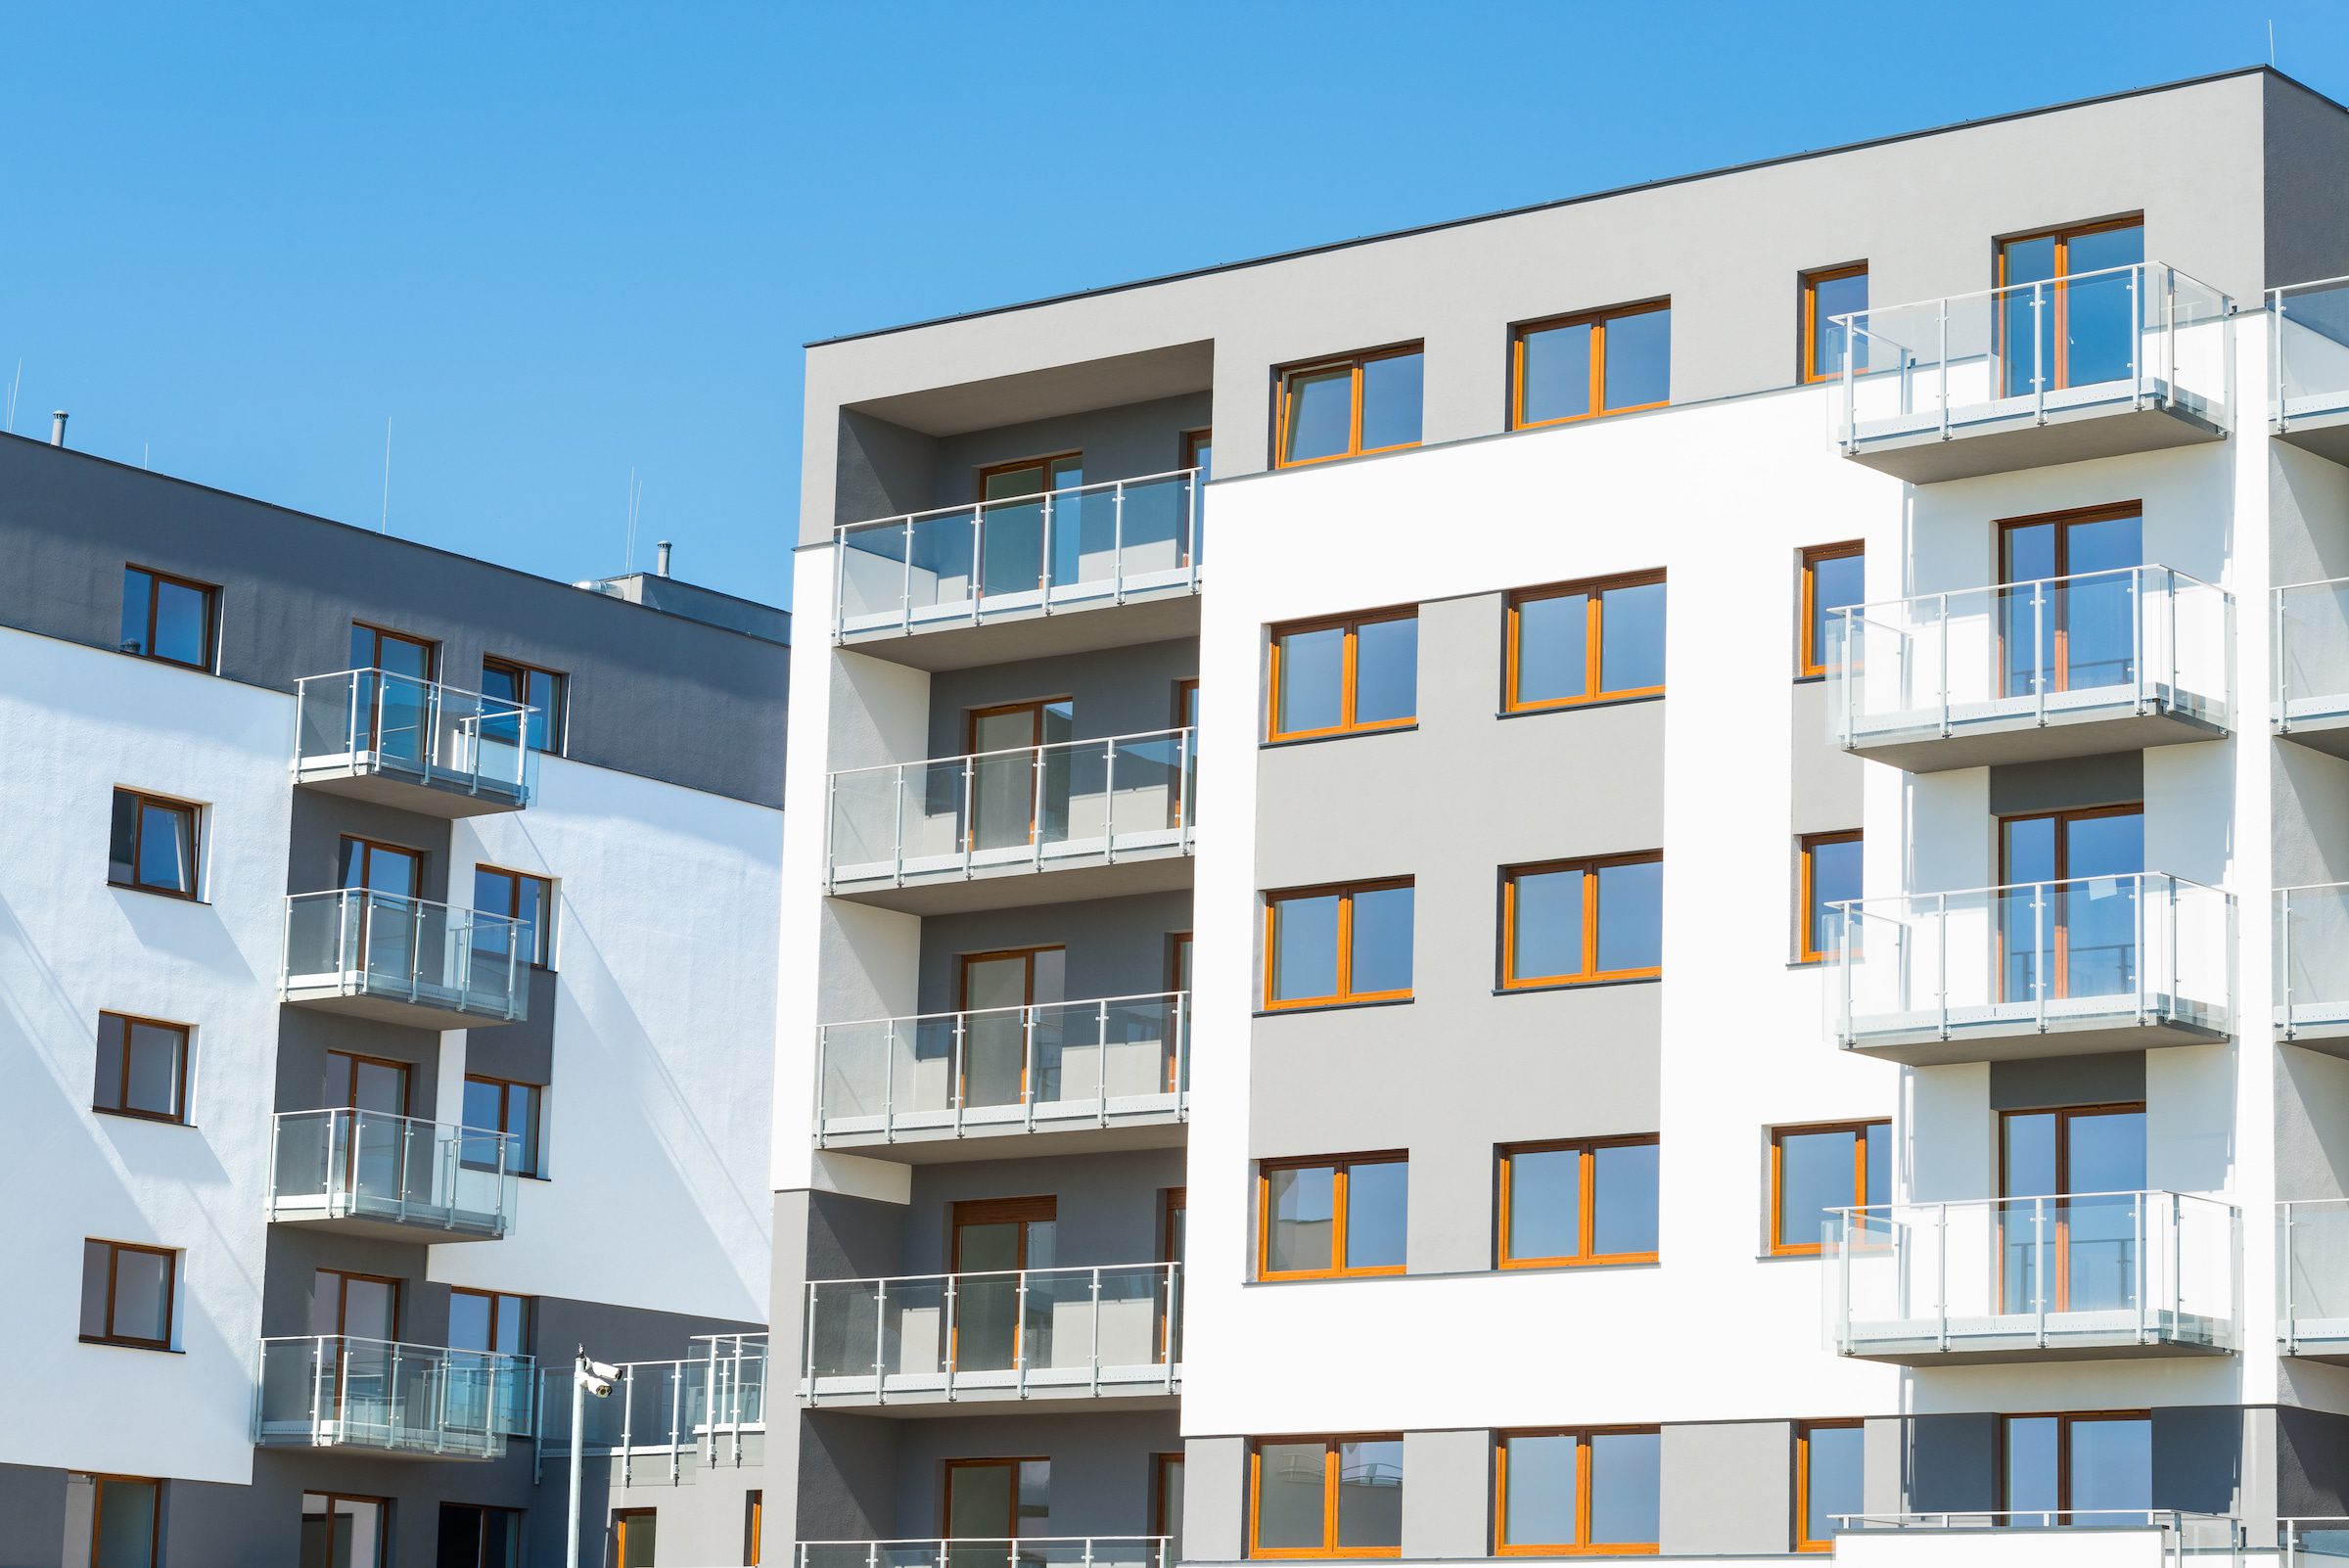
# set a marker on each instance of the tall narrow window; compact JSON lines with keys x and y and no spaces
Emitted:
{"x":2071,"y":1229}
{"x":1815,"y":1171}
{"x":1828,"y":1475}
{"x":1589,"y":1201}
{"x":1336,"y":1496}
{"x":2076,"y":1468}
{"x":754,"y":1529}
{"x":498,"y":1106}
{"x":1352,"y":943}
{"x":1317,"y":1218}
{"x":125,"y":1521}
{"x":478,"y":1537}
{"x":153,"y":845}
{"x":508,"y":680}
{"x":168,"y":619}
{"x":1367,"y":402}
{"x":342,"y":1532}
{"x":1166,"y":1503}
{"x":2070,"y":306}
{"x":1582,"y":642}
{"x":1599,"y":362}
{"x":142,"y":1068}
{"x":1330,"y":678}
{"x":1199,"y":451}
{"x":2068,"y":600}
{"x":1829,"y":293}
{"x":1833,"y":576}
{"x":528,"y":901}
{"x":2068,"y":912}
{"x":1829,"y":876}
{"x":1579,"y":1492}
{"x":361,"y":1306}
{"x":1568,"y":922}
{"x":635,"y":1531}
{"x":126,"y":1294}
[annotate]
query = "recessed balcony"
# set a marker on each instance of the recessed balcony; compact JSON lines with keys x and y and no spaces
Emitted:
{"x":2312,"y":967}
{"x":661,"y":1415}
{"x":378,"y":1396}
{"x":1073,"y":819}
{"x":370,"y":1173}
{"x":2079,"y":1277}
{"x":2049,"y":1538}
{"x":414,"y":743}
{"x":2308,"y":353}
{"x":1004,"y":579}
{"x":2311,"y":637}
{"x":965,"y":1551}
{"x":2088,"y":964}
{"x":2066,"y":666}
{"x":1107,"y":1335}
{"x":1050,"y":1078}
{"x":404,"y":960}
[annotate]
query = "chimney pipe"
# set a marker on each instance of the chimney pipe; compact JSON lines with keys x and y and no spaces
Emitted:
{"x":57,"y":430}
{"x":661,"y":559}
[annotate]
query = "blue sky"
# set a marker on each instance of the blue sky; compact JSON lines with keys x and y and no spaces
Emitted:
{"x":553,"y":244}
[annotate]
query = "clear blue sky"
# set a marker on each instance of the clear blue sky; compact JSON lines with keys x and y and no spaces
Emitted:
{"x":552,"y":243}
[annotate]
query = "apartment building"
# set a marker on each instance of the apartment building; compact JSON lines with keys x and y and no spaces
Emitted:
{"x":1761,"y":969}
{"x":388,"y":972}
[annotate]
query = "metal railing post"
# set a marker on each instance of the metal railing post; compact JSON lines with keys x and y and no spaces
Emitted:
{"x":978,"y":555}
{"x":1941,"y":960}
{"x":1043,"y":566}
{"x":2136,"y":339}
{"x":1028,"y":1076}
{"x":1116,"y":544}
{"x":1036,"y":808}
{"x":2276,"y":412}
{"x":2137,"y":635}
{"x":969,"y":818}
{"x":1093,"y":1358}
{"x":2039,"y":374}
{"x":2288,"y":1309}
{"x":1943,"y":368}
{"x":2038,"y":652}
{"x":1941,"y":1273}
{"x":1100,"y":1063}
{"x":896,"y":829}
{"x":952,"y":1350}
{"x":889,"y":1080}
{"x":1174,"y":1321}
{"x":905,"y":591}
{"x":1019,"y":1332}
{"x":962,"y":1068}
{"x":1942,"y":677}
{"x":2039,"y":955}
{"x":823,"y":1076}
{"x":1851,"y":422}
{"x":2039,"y":1268}
{"x":1109,"y":802}
{"x":2141,"y":1285}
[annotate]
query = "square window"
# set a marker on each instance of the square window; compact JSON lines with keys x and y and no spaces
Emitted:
{"x":1368,"y":402}
{"x":142,"y":1068}
{"x":525,"y":900}
{"x":168,"y":619}
{"x":1580,"y":1492}
{"x":1325,"y":947}
{"x":508,"y":681}
{"x":1815,"y":1171}
{"x":1328,"y":1217}
{"x":151,"y":845}
{"x":1570,"y":922}
{"x":494,"y":1105}
{"x":1326,"y":1498}
{"x":1330,"y":678}
{"x":1600,"y":362}
{"x":1582,"y":642}
{"x":126,"y":1294}
{"x":1589,"y":1201}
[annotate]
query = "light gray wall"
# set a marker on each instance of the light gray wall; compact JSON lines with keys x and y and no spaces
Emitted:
{"x":2198,"y":1459}
{"x":1728,"y":1488}
{"x":2304,"y":149}
{"x":1951,"y":1464}
{"x":1825,"y":792}
{"x":1446,"y":1495}
{"x":1100,"y":1484}
{"x":1214,"y":1498}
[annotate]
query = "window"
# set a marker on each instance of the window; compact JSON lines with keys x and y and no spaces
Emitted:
{"x":2072,"y":1235}
{"x":1600,"y":362}
{"x":1326,"y":1498}
{"x":472,"y":1537}
{"x":1830,"y":875}
{"x":342,"y":1532}
{"x":1333,"y":678}
{"x":1186,"y":704}
{"x":1346,"y":407}
{"x":498,"y":1106}
{"x":357,"y":1306}
{"x":1346,"y":944}
{"x":1591,"y":1201}
{"x":395,"y":652}
{"x":168,"y":619}
{"x":1569,"y":922}
{"x":1832,"y":581}
{"x":153,"y":845}
{"x":1813,"y":1169}
{"x":754,"y":1527}
{"x":1199,"y":451}
{"x":1829,"y":293}
{"x":1827,"y":1470}
{"x":488,"y":1322}
{"x":998,"y":1499}
{"x":1583,"y":642}
{"x":2077,"y":332}
{"x":125,"y":1520}
{"x":2081,"y":629}
{"x":521,"y":896}
{"x":2059,"y":1468}
{"x":126,"y":1294}
{"x":1319,"y":1218}
{"x":1598,"y":1490}
{"x":142,"y":1068}
{"x":507,"y":682}
{"x":1166,"y":1502}
{"x":633,"y":1538}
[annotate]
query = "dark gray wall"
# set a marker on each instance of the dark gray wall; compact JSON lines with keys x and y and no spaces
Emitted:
{"x":1107,"y":1205}
{"x":1114,"y":947}
{"x":2115,"y":779}
{"x":2312,"y":1463}
{"x":1114,"y":691}
{"x":2114,"y":1079}
{"x":2306,"y":150}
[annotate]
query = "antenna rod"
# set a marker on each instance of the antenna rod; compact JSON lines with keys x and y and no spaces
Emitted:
{"x":386,"y":525}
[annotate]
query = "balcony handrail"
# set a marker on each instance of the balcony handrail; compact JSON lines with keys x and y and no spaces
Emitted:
{"x":2279,"y":291}
{"x":408,"y":901}
{"x":1162,"y":1264}
{"x":2174,"y":1519}
{"x":901,"y":519}
{"x":979,"y":1540}
{"x":1859,"y":906}
{"x":504,"y":705}
{"x":508,"y":1360}
{"x":2314,"y":887}
{"x":1938,"y":1203}
{"x":1849,"y":319}
{"x":1018,"y":1008}
{"x":458,"y":1127}
{"x":2282,"y":589}
{"x":1018,"y":751}
{"x":2171,"y":573}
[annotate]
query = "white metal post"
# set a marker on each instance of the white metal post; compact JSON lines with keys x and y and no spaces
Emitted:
{"x":579,"y":1415}
{"x":2039,"y":373}
{"x":1116,"y":544}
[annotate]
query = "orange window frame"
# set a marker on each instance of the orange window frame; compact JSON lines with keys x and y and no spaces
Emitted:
{"x":1345,"y":893}
{"x":113,"y":1267}
{"x":99,"y":1482}
{"x":1779,"y":1246}
{"x":178,"y":1114}
{"x":1284,"y":400}
{"x":1340,"y":1167}
{"x":622,"y":1518}
{"x":524,"y":1309}
{"x":1810,"y":657}
{"x":754,"y":1527}
{"x":1347,"y":724}
{"x":1162,"y":1519}
{"x":1586,"y":1184}
{"x":1598,"y":322}
{"x":1802,"y":1539}
{"x":2058,"y":663}
{"x":1806,"y":884}
{"x":1594,"y":591}
{"x":1582,"y":1546}
{"x":2059,"y":956}
{"x":1809,"y":345}
{"x":1589,"y":973}
{"x":1331,"y":1449}
{"x":2058,"y":286}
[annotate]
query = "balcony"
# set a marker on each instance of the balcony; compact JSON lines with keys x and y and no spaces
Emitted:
{"x":1110,"y":1074}
{"x":1103,"y":817}
{"x":1028,"y":1551}
{"x":2066,"y":666}
{"x":2308,"y":353}
{"x":660,"y":1416}
{"x":2057,"y":1538}
{"x":331,"y":1391}
{"x":2097,"y":365}
{"x":2312,"y":1279}
{"x":2312,"y":664}
{"x":2119,"y":963}
{"x":369,"y":1173}
{"x":1110,"y":1335}
{"x":2312,"y":1543}
{"x":2312,"y":967}
{"x":413,"y":744}
{"x":404,"y":960}
{"x":2083,"y":1277}
{"x":919,"y":590}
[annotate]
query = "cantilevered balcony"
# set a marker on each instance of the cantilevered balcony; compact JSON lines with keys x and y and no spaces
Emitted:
{"x":962,"y":1551}
{"x":2312,"y":967}
{"x":2312,"y":1279}
{"x":2308,"y":353}
{"x":2126,"y":359}
{"x":2046,"y":1538}
{"x":371,"y":1174}
{"x":414,"y":743}
{"x":710,"y":1406}
{"x":1109,"y":1334}
{"x":404,"y":960}
{"x":2065,"y":667}
{"x":919,"y":590}
{"x":1111,"y":1073}
{"x":2078,"y":1277}
{"x":331,"y":1391}
{"x":2117,"y":963}
{"x":2311,"y":638}
{"x":1080,"y":819}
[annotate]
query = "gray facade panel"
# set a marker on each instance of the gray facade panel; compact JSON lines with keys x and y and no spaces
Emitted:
{"x":1107,"y":1206}
{"x":1447,"y":1493}
{"x":1825,"y":783}
{"x":33,"y":1506}
{"x":1728,"y":1488}
{"x":2117,"y":1077}
{"x":1951,"y":1464}
{"x":1116,"y":691}
{"x":2312,"y":1462}
{"x":2198,"y":1459}
{"x":1127,"y":441}
{"x":2116,"y":778}
{"x":1111,"y":947}
{"x":2304,"y":149}
{"x":1214,"y":1498}
{"x":1101,"y":1480}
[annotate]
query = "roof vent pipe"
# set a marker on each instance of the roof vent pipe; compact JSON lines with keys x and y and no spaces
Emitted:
{"x":57,"y":430}
{"x":661,"y":559}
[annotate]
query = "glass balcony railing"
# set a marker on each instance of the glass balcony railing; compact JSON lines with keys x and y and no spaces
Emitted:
{"x":372,"y":724}
{"x":2310,"y":700}
{"x":1011,"y":1334}
{"x":2312,"y":961}
{"x":2110,"y":341}
{"x":1945,"y":977}
{"x":1068,"y":549}
{"x":2137,"y":642}
{"x":2012,"y":1278}
{"x":1055,"y":1064}
{"x":705,"y":1401}
{"x":333,"y":1391}
{"x":2321,"y":1542}
{"x":2308,"y":326}
{"x":2312,"y":1278}
{"x":1041,"y":807}
{"x":398,"y":957}
{"x":454,"y":1184}
{"x":1028,"y":1551}
{"x":2092,"y":1538}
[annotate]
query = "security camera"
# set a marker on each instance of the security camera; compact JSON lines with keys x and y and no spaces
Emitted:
{"x":596,"y":1377}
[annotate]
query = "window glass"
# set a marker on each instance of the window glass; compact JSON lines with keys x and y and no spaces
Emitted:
{"x":1816,"y":1173}
{"x":1311,"y":694}
{"x":1638,"y":359}
{"x":1623,"y":1201}
{"x":1545,"y":1212}
{"x":1631,"y":916}
{"x":1832,"y":295}
{"x":1541,"y":1503}
{"x":1371,"y":1494}
{"x":1290,"y":1496}
{"x":1553,"y":643}
{"x":142,"y":1067}
{"x":1546,"y":934}
{"x":1832,"y":875}
{"x":1631,"y":637}
{"x":1555,"y":372}
{"x":339,"y":1532}
{"x":1835,"y":584}
{"x":1301,"y":1207}
{"x":1391,"y":401}
{"x":125,"y":1293}
{"x":1386,"y":671}
{"x":1305,"y":947}
{"x":1626,"y":1487}
{"x":1376,"y":1203}
{"x":2031,"y":1480}
{"x":167,"y":619}
{"x":138,"y":598}
{"x":1321,"y":414}
{"x":126,"y":1517}
{"x":1554,"y":633}
{"x":1831,"y":1478}
{"x":1353,"y":674}
{"x":2111,"y":1465}
{"x":1382,"y":940}
{"x":151,"y":845}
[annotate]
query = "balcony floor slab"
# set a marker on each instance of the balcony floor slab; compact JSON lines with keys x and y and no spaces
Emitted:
{"x":1075,"y":622}
{"x":2318,"y":425}
{"x":423,"y":1224}
{"x":433,"y":794}
{"x":1988,"y":1036}
{"x":1017,"y":882}
{"x":1140,"y":1122}
{"x":2085,"y":1336}
{"x":2082,"y":723}
{"x":327,"y":996}
{"x":2082,"y":424}
{"x":2320,"y":723}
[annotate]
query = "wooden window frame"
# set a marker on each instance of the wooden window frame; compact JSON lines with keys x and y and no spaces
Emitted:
{"x":1804,"y":882}
{"x":1340,"y":1166}
{"x":1810,"y":659}
{"x":383,"y":1518}
{"x":946,"y":1508}
{"x":620,"y":1528}
{"x":481,"y":1512}
{"x":542,"y":930}
{"x":1866,"y":1127}
{"x":1587,"y":1167}
{"x":962,"y":1004}
{"x":430,"y":647}
{"x":1348,"y":676}
{"x":407,"y":1071}
{"x":2059,"y":296}
{"x":210,"y":592}
{"x":1582,"y":1546}
{"x":141,"y":799}
{"x":754,"y":1526}
{"x":113,"y":1262}
{"x":1803,"y":1540}
{"x":2058,"y":666}
{"x":1192,"y":440}
{"x":2059,"y":1247}
{"x":1047,"y":462}
{"x":100,"y":1479}
{"x":1160,"y":1519}
{"x":527,"y":1306}
{"x":400,"y":1293}
{"x":1185,"y":692}
{"x":1285,"y":377}
{"x":2059,"y":944}
{"x":178,"y":1115}
{"x":1589,"y":974}
{"x":422,"y":857}
{"x":1598,"y":321}
{"x":505,"y":1086}
{"x":1345,"y":893}
{"x":1807,"y":361}
{"x":1331,"y":1447}
{"x":1594,"y":591}
{"x":2064,"y":1421}
{"x":557,"y":716}
{"x":1022,"y":1211}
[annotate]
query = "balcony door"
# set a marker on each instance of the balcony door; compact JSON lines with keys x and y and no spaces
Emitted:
{"x":1011,"y":525}
{"x":995,"y":1238}
{"x":371,"y":1151}
{"x":994,"y":1501}
{"x":1018,"y":793}
{"x":398,"y":717}
{"x":2078,"y":1253}
{"x":2068,"y":912}
{"x":387,"y":934}
{"x":2077,"y":330}
{"x":2073,"y":635}
{"x":995,"y":987}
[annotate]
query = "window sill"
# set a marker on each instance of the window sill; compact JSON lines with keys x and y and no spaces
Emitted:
{"x":1550,"y":709}
{"x":1332,"y":1007}
{"x":1577,"y":984}
{"x":1811,"y":680}
{"x":157,"y":893}
{"x":1461,"y":1273}
{"x":1285,"y":742}
{"x":132,"y":1345}
{"x":152,"y":1118}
